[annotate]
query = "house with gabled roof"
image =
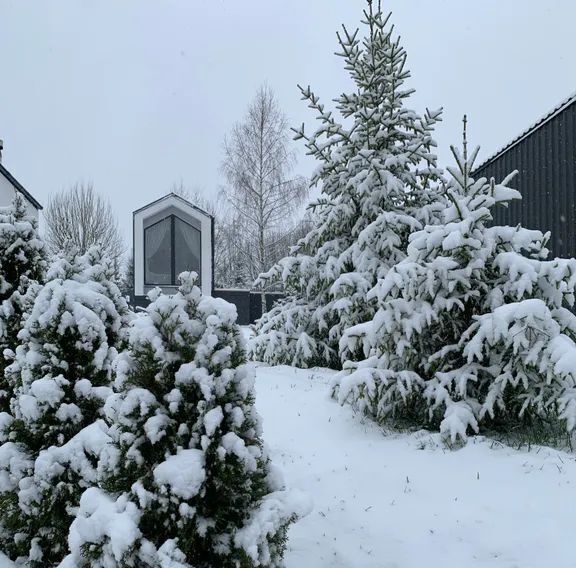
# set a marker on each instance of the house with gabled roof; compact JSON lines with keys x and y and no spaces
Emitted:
{"x":545,"y":157}
{"x":172,"y":235}
{"x":9,"y":186}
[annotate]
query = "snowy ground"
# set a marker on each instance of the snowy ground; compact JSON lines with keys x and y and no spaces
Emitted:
{"x":404,"y":501}
{"x":384,"y":501}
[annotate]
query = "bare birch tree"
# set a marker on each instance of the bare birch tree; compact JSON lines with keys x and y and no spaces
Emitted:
{"x":79,"y":217}
{"x":260,"y":189}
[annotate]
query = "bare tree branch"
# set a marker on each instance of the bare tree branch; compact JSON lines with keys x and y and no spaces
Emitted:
{"x":80,"y":218}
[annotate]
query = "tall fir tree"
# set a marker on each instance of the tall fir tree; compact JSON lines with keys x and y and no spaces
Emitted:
{"x":186,"y":474}
{"x":60,"y":377}
{"x":473,"y":328}
{"x":378,"y":177}
{"x":22,"y":268}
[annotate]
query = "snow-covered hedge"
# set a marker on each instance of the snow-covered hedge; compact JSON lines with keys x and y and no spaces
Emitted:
{"x":473,"y":327}
{"x":185,"y":480}
{"x":60,"y":378}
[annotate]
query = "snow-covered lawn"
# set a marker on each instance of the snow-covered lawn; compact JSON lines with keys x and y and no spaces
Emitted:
{"x":403,"y":500}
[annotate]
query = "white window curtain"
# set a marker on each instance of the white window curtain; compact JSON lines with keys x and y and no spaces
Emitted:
{"x":158,"y":253}
{"x":187,"y":247}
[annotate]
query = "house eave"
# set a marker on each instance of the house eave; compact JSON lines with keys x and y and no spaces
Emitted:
{"x":20,"y":188}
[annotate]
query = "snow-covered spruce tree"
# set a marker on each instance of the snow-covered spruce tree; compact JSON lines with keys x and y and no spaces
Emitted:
{"x":60,"y":376}
{"x":473,"y":327}
{"x":186,"y":480}
{"x":22,"y":266}
{"x":377,"y":175}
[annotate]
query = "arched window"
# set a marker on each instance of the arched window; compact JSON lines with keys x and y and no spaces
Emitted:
{"x":171,"y":246}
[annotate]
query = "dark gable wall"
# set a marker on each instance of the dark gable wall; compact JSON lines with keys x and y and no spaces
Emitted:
{"x":546,"y":162}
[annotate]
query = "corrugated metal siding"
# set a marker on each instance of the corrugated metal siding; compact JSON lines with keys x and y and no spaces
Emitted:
{"x":546,"y":161}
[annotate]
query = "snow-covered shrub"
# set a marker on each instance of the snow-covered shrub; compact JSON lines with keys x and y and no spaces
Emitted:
{"x":61,"y":376}
{"x":22,"y":266}
{"x":186,"y":480}
{"x":472,"y":327}
{"x":378,"y":175}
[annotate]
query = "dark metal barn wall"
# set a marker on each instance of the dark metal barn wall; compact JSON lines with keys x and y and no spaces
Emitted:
{"x":546,"y":161}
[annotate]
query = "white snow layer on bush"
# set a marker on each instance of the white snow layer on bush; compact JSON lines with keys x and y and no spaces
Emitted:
{"x":103,"y":521}
{"x":183,"y":473}
{"x":78,"y":455}
{"x":273,"y":511}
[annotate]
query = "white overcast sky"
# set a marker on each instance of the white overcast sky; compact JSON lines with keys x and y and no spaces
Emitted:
{"x":135,"y":95}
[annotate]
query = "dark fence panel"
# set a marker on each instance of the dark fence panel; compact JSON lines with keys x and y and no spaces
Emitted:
{"x":241,"y":299}
{"x":248,"y":303}
{"x":546,"y":161}
{"x":138,"y":301}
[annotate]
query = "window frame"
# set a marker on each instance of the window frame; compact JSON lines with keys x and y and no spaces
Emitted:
{"x":173,"y":275}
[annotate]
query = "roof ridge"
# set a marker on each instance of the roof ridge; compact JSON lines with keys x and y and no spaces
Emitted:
{"x":172,"y":194}
{"x":535,"y":126}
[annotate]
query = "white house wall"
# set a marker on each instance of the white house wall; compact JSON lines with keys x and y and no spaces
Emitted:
{"x":206,"y":242}
{"x":7,"y":191}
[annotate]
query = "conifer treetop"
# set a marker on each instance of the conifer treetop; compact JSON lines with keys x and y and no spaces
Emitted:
{"x":374,"y":116}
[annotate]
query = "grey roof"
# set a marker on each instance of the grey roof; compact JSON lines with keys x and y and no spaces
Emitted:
{"x":538,"y":124}
{"x":171,"y":194}
{"x":19,"y":187}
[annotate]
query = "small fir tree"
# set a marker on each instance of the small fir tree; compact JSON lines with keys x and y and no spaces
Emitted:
{"x":377,"y":174}
{"x":60,"y":376}
{"x":186,"y":474}
{"x":22,"y":267}
{"x":473,"y":327}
